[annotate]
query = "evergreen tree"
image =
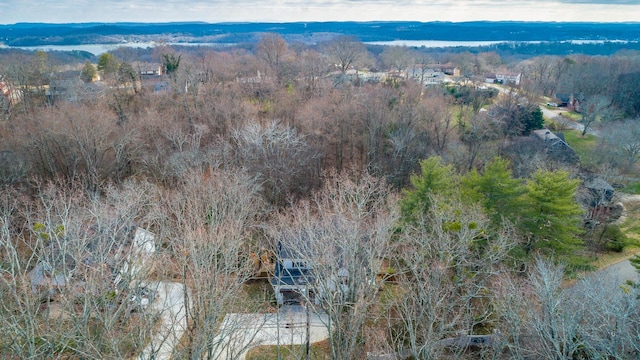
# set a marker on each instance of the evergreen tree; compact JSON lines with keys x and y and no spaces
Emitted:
{"x":496,"y":190}
{"x":171,"y":62}
{"x":108,"y":64}
{"x":435,"y":179}
{"x":551,"y":218}
{"x":88,"y":72}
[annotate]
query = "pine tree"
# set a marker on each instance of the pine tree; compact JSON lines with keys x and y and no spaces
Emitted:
{"x":551,"y":218}
{"x":496,"y":190}
{"x":435,"y":179}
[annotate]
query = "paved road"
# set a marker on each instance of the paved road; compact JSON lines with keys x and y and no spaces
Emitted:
{"x":554,"y":115}
{"x":620,"y":272}
{"x":169,"y":302}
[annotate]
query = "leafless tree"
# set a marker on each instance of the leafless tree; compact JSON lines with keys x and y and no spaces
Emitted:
{"x":344,"y":232}
{"x":620,"y":144}
{"x":211,"y":220}
{"x":345,"y":52}
{"x":313,"y":67}
{"x":542,"y":318}
{"x":593,"y":109}
{"x":476,"y":134}
{"x":396,"y":57}
{"x":444,"y":279}
{"x":64,"y":251}
{"x":273,"y":50}
{"x":440,"y":122}
{"x":278,"y":156}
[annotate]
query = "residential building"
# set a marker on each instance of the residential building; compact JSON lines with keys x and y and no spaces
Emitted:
{"x":507,"y":78}
{"x":293,"y":276}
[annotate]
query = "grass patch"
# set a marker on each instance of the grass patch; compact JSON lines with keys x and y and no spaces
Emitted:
{"x":633,"y":188}
{"x":317,"y":351}
{"x":631,"y":226}
{"x":584,"y":146}
{"x":260,"y":295}
{"x":572,"y":115}
{"x":610,"y":258}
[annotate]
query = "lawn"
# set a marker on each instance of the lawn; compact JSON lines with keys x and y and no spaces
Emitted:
{"x":584,"y":146}
{"x":317,"y":351}
{"x":572,"y":115}
{"x":633,"y":188}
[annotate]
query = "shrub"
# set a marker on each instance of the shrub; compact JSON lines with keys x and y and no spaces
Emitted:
{"x":613,"y":238}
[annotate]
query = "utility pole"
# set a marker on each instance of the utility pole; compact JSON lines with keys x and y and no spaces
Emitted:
{"x":306,"y":305}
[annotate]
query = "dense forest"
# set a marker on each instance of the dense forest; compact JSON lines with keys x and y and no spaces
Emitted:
{"x":432,"y":190}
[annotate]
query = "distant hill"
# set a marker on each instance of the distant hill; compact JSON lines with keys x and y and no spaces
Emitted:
{"x":33,"y":34}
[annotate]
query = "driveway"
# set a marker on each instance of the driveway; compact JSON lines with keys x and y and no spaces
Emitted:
{"x":620,"y":272}
{"x":169,"y":303}
{"x":239,"y":333}
{"x":554,"y":115}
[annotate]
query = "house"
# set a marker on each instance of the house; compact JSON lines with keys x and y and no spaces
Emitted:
{"x":8,"y":95}
{"x":433,"y":78}
{"x":293,"y":275}
{"x":555,"y":147}
{"x":569,"y":101}
{"x":428,"y":76}
{"x":597,"y":196}
{"x":447,"y":69}
{"x":510,"y":78}
{"x":148,"y":69}
{"x":507,"y":78}
{"x":118,"y":258}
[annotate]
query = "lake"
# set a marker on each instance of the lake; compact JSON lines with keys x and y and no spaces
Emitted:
{"x":447,"y":43}
{"x":98,"y":49}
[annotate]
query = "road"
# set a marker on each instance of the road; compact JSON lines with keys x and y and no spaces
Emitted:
{"x":620,"y":272}
{"x":555,"y":116}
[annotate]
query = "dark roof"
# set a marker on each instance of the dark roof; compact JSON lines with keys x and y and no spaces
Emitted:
{"x":295,"y":275}
{"x":598,"y":184}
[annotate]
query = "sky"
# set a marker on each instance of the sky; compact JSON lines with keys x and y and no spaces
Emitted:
{"x":64,"y":11}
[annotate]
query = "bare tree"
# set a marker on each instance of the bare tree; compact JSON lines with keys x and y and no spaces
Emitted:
{"x":396,"y":57}
{"x":313,"y":67}
{"x":273,"y":50}
{"x":344,"y":232}
{"x":65,"y":252}
{"x":593,"y":318}
{"x":278,"y":156}
{"x":211,"y":219}
{"x":620,"y":144}
{"x":593,"y":108}
{"x":345,"y":51}
{"x":444,"y":279}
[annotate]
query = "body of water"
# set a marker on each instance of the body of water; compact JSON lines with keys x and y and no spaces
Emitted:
{"x":434,"y":43}
{"x":98,"y":49}
{"x":446,"y":43}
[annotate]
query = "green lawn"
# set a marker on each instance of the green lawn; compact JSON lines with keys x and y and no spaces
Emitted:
{"x":584,"y":146}
{"x":572,"y":115}
{"x":633,"y":188}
